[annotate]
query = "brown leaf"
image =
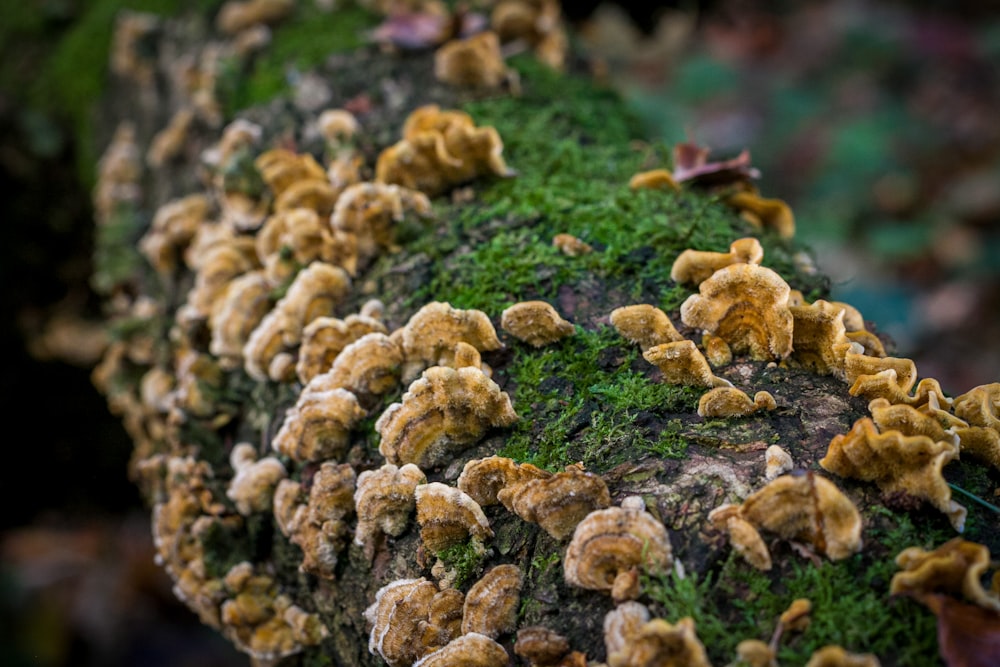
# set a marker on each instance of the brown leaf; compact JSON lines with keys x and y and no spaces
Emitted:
{"x":691,"y":164}
{"x":968,"y":635}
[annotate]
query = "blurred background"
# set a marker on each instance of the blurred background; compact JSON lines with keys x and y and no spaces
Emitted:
{"x":877,"y":121}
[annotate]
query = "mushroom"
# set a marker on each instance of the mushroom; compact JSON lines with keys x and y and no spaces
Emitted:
{"x":696,"y":266}
{"x":367,"y":367}
{"x":819,"y":339}
{"x":252,"y":486}
{"x":747,"y":306}
{"x":717,"y":350}
{"x":608,"y":543}
{"x":471,"y":650}
{"x":474,"y":62}
{"x":621,"y":625}
{"x":442,"y":412}
{"x":654,"y":179}
{"x":764,"y":213}
{"x":682,"y":363}
{"x":322,"y":531}
{"x":733,"y":402}
{"x":777,"y":461}
{"x":558,"y":502}
{"x":483,"y":479}
{"x":645,"y":325}
{"x":174,"y":225}
{"x":369,"y":213}
{"x":432,"y":333}
{"x":540,"y":646}
{"x":911,"y":464}
{"x":318,"y":426}
{"x":955,"y":568}
{"x":570,"y":245}
{"x":980,"y":406}
{"x":836,"y":656}
{"x":236,"y":313}
{"x":398,"y":619}
{"x":447,"y":517}
{"x":535,"y":322}
{"x":491,"y":603}
{"x":659,"y":643}
{"x":326,"y":337}
{"x":384,"y":500}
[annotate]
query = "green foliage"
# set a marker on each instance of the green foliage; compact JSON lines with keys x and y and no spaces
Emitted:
{"x":466,"y":559}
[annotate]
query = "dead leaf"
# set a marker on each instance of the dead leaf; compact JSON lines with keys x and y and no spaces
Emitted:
{"x":968,"y":635}
{"x":691,"y":164}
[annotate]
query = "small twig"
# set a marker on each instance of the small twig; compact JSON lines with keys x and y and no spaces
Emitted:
{"x":975,"y":497}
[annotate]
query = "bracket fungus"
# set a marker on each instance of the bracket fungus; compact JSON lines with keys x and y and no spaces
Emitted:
{"x":558,"y":502}
{"x":318,"y":426}
{"x":484,"y":478}
{"x":836,"y":656}
{"x":475,"y":62}
{"x":540,"y":646}
{"x":957,"y":567}
{"x":432,"y":333}
{"x":733,"y":402}
{"x":252,"y":486}
{"x":896,"y":462}
{"x":683,"y":363}
{"x":762,"y":213}
{"x":404,"y":620}
{"x":654,"y":179}
{"x":696,"y":266}
{"x":447,"y":516}
{"x":442,"y":412}
{"x":326,"y":337}
{"x":320,"y":528}
{"x":492,"y":602}
{"x":819,"y":338}
{"x":607,"y":544}
{"x":799,"y":506}
{"x":747,"y":306}
{"x":662,"y":644}
{"x":571,"y":246}
{"x":645,"y":325}
{"x":469,"y":650}
{"x":535,"y":322}
{"x":384,"y":500}
{"x":980,"y":406}
{"x":239,"y":310}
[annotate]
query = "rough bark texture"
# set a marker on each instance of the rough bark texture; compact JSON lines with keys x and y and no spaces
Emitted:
{"x":573,"y":407}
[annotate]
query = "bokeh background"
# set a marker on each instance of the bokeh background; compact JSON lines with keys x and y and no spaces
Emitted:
{"x":877,"y":121}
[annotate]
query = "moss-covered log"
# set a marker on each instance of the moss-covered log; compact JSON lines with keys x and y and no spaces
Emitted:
{"x":590,"y":398}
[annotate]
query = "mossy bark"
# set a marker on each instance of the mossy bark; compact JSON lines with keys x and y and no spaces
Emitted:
{"x":589,"y":398}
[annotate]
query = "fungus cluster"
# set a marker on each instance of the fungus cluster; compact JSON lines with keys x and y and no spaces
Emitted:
{"x":376,"y":474}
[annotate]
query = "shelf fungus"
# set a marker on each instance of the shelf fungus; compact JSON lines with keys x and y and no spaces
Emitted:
{"x":558,"y":502}
{"x":536,"y":323}
{"x":660,"y":643}
{"x":836,"y":656}
{"x":955,"y":568}
{"x":471,"y":650}
{"x":239,"y":310}
{"x":442,"y":412}
{"x":263,"y":622}
{"x":325,"y":338}
{"x":645,"y":325}
{"x":474,"y":62}
{"x":819,"y":339}
{"x":693,"y":267}
{"x":447,"y":516}
{"x":654,"y":179}
{"x":368,"y":368}
{"x":236,"y":16}
{"x":536,"y":23}
{"x":802,"y":507}
{"x":609,"y":544}
{"x":621,"y":625}
{"x":174,"y":225}
{"x":411,"y":618}
{"x":571,"y":246}
{"x":897,"y":463}
{"x":763,"y":213}
{"x":733,"y":402}
{"x":315,"y":292}
{"x":683,"y":363}
{"x":540,"y":646}
{"x":252,"y":486}
{"x":432,"y":334}
{"x":384,"y":500}
{"x":980,"y":406}
{"x":369,"y":213}
{"x":777,"y":461}
{"x":318,"y":426}
{"x":294,"y":238}
{"x":484,"y":478}
{"x":492,"y":602}
{"x":747,"y":306}
{"x":439,"y":150}
{"x":320,"y":526}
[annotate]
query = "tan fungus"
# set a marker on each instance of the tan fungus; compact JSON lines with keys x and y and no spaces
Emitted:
{"x":338,"y":126}
{"x":608,"y":543}
{"x":540,"y":646}
{"x":733,"y":402}
{"x":570,"y":245}
{"x":318,"y":426}
{"x":432,"y":333}
{"x":645,"y":325}
{"x":368,"y":367}
{"x":717,"y":350}
{"x":492,"y":602}
{"x":471,"y":650}
{"x":654,"y":179}
{"x":447,"y":517}
{"x":384,"y":500}
{"x":536,"y":323}
{"x":252,"y":485}
{"x":174,"y":225}
{"x":239,"y":310}
{"x":396,"y":616}
{"x":777,"y":462}
{"x":236,"y":16}
{"x":910,"y":464}
{"x":683,"y":364}
{"x":482,"y":479}
{"x":835,"y":656}
{"x":696,"y":266}
{"x":622,"y":625}
{"x":763,"y":213}
{"x":885,"y":384}
{"x":369,"y":213}
{"x":442,"y":412}
{"x":819,"y":339}
{"x":558,"y":502}
{"x":325,"y":338}
{"x":980,"y":406}
{"x":660,"y":644}
{"x":957,"y":567}
{"x":474,"y":62}
{"x":747,"y":306}
{"x":322,"y":530}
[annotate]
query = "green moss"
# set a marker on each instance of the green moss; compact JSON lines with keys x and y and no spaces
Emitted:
{"x":115,"y":250}
{"x":298,"y":44}
{"x":466,"y":559}
{"x":225,"y":546}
